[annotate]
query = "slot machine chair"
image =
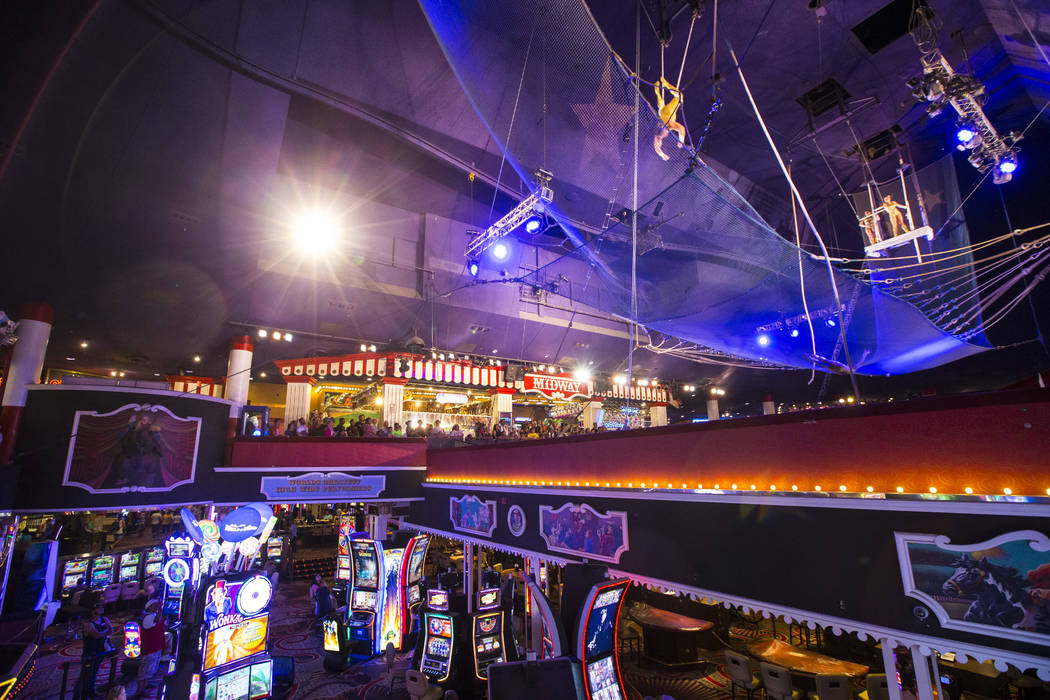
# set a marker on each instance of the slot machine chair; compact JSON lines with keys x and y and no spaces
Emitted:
{"x":419,"y":687}
{"x":111,"y":595}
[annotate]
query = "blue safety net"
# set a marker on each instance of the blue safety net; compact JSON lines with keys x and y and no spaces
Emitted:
{"x":708,"y":269}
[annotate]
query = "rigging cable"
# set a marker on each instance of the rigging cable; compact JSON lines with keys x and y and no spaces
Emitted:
{"x":809,"y":220}
{"x":802,"y":286}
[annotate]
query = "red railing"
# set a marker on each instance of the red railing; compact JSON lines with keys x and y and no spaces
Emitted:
{"x":328,"y":452}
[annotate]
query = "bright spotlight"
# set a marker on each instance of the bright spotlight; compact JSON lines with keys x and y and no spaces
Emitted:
{"x":1008,"y":165}
{"x":288,"y":337}
{"x":315,"y":232}
{"x":533,"y":225}
{"x":794,"y":332}
{"x":582,"y":374}
{"x":763,"y":339}
{"x":276,"y":335}
{"x":500,"y":251}
{"x":620,"y":379}
{"x":364,"y":347}
{"x":830,"y":322}
{"x":965,"y":134}
{"x":473,"y":267}
{"x":262,"y":333}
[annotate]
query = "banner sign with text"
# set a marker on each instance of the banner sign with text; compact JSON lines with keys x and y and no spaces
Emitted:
{"x":316,"y":486}
{"x":556,"y":387}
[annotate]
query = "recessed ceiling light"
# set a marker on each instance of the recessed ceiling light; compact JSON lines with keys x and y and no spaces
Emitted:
{"x":70,"y":359}
{"x":156,"y":374}
{"x":196,"y":358}
{"x":83,"y":344}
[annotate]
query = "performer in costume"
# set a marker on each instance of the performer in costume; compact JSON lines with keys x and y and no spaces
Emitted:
{"x":893,"y":210}
{"x":668,"y":111}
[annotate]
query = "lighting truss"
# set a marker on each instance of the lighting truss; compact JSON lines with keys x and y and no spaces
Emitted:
{"x":940,"y":85}
{"x":531,"y":205}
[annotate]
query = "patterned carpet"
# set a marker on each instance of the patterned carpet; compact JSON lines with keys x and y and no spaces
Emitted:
{"x":291,"y":615}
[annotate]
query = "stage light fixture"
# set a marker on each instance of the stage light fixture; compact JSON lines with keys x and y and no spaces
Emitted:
{"x":500,"y":251}
{"x":277,"y":335}
{"x":763,"y":339}
{"x":533,"y":224}
{"x":473,"y":267}
{"x":965,"y":134}
{"x":263,"y":333}
{"x":531,"y":207}
{"x":831,"y":322}
{"x":83,"y":343}
{"x":371,"y":348}
{"x":794,"y":332}
{"x":364,"y":347}
{"x":582,"y":374}
{"x":288,"y":337}
{"x":1008,"y":165}
{"x":620,"y":379}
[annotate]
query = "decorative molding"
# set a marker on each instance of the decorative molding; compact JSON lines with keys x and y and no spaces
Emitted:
{"x":1001,"y":506}
{"x":615,"y":519}
{"x":524,"y":553}
{"x":489,"y":508}
{"x":1012,"y":600}
{"x":315,"y":469}
{"x":128,"y":390}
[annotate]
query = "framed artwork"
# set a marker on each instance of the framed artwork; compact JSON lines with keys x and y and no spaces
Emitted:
{"x":581,"y":530}
{"x":471,"y":514}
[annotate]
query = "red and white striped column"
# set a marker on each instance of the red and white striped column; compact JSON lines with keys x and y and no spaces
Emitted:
{"x":238,"y":376}
{"x":27,"y":361}
{"x":393,"y":400}
{"x":657,"y":413}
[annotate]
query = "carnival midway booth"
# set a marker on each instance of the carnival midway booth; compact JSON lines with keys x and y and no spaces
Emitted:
{"x":453,"y":390}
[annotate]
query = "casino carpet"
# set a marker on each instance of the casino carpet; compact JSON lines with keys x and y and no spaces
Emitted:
{"x":291,"y":616}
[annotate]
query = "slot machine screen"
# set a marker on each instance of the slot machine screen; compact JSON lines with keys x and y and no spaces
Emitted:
{"x":262,"y":680}
{"x":366,"y":573}
{"x":73,"y":571}
{"x":102,"y":571}
{"x":488,"y":624}
{"x":178,"y":549}
{"x":413,"y":595}
{"x":437,"y":599}
{"x":601,"y":678}
{"x":129,"y":566}
{"x":415,"y":562}
{"x":331,"y":635}
{"x":364,"y":600}
{"x":274,"y":546}
{"x":440,"y":626}
{"x":235,"y":641}
{"x":342,"y":571}
{"x":488,"y":598}
{"x":601,"y":622}
{"x":235,"y":685}
{"x":153,"y":568}
{"x":154,"y":554}
{"x":439,"y":647}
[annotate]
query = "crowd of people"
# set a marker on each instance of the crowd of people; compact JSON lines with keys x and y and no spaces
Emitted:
{"x":321,"y":424}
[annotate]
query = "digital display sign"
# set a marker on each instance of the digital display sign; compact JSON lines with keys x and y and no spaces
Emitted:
{"x":439,"y":647}
{"x":488,"y":598}
{"x":437,"y":599}
{"x":601,"y":622}
{"x":102,"y":571}
{"x":415,"y":562}
{"x":330,"y":629}
{"x":366,"y":565}
{"x":364,"y":600}
{"x":601,"y":678}
{"x":440,"y":626}
{"x":239,"y":639}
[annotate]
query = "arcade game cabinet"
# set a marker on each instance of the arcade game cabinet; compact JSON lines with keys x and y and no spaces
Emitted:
{"x":596,"y":642}
{"x":73,"y":571}
{"x":363,"y":604}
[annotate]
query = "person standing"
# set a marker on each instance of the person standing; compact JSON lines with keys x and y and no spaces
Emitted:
{"x":96,"y":631}
{"x":152,"y":637}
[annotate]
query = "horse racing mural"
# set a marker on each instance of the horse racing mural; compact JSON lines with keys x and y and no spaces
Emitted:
{"x":999,"y":587}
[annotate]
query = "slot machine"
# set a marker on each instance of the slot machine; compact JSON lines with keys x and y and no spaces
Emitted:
{"x":102,"y":571}
{"x":129,"y":566}
{"x":366,"y":557}
{"x":154,"y":561}
{"x":490,"y":636}
{"x":415,"y":557}
{"x":223,"y":650}
{"x":181,"y":573}
{"x":275,"y":548}
{"x":74,"y":570}
{"x":597,"y":632}
{"x":437,"y":658}
{"x":343,"y":573}
{"x":552,"y":632}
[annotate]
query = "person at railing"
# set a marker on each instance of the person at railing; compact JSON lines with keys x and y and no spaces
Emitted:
{"x":302,"y":430}
{"x":368,"y":428}
{"x":456,"y":433}
{"x":397,"y":432}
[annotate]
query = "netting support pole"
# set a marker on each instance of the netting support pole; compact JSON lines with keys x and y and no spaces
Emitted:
{"x":809,"y":220}
{"x":634,"y":210}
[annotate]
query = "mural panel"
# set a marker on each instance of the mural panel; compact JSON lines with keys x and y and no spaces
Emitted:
{"x":134,"y":448}
{"x":471,"y":514}
{"x":581,"y":530}
{"x":998,"y":587}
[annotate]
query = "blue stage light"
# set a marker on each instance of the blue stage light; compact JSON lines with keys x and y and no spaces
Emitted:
{"x":1008,"y":165}
{"x":473,"y":267}
{"x":794,"y":332}
{"x":500,"y":251}
{"x":965,"y":134}
{"x":533,"y":225}
{"x":763,"y":339}
{"x":830,"y":322}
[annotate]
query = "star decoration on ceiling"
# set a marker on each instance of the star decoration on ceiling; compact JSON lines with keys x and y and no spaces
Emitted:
{"x":603,"y":122}
{"x":932,"y":199}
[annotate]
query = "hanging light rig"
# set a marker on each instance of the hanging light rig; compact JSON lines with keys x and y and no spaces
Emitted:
{"x":528,"y":208}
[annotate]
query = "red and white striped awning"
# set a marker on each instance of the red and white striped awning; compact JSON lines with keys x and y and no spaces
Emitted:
{"x":372,"y":365}
{"x":638,"y":393}
{"x":206,"y":386}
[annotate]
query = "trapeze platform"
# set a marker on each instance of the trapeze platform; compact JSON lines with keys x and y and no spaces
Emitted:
{"x":877,"y":250}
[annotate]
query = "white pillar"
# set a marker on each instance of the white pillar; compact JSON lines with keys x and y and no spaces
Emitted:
{"x":536,"y":620}
{"x":393,"y":400}
{"x":27,"y":360}
{"x":890,"y":665}
{"x":768,"y":408}
{"x":239,"y":370}
{"x":297,"y":399}
{"x":712,"y":409}
{"x":923,"y":681}
{"x":590,"y":413}
{"x":657,"y":414}
{"x":502,"y":402}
